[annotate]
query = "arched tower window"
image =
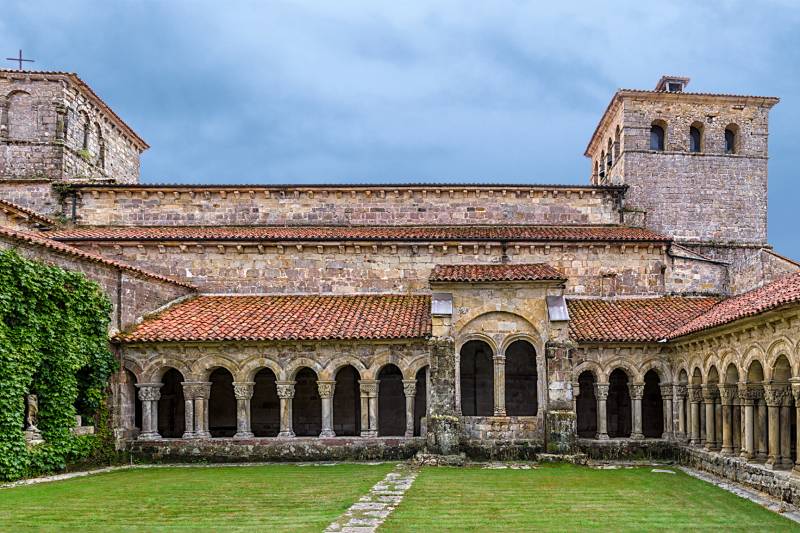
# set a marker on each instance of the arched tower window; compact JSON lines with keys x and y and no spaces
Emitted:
{"x":731,"y":139}
{"x":101,"y":147}
{"x":657,"y":136}
{"x":617,"y":135}
{"x":609,"y":156}
{"x":86,"y":131}
{"x":696,"y":138}
{"x":602,"y":164}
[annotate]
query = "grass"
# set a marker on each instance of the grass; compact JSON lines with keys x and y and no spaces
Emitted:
{"x":266,"y":498}
{"x":570,"y":498}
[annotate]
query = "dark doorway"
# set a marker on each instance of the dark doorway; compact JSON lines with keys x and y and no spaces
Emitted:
{"x":347,"y":403}
{"x":391,"y":402}
{"x":652,"y":407}
{"x":477,"y":379}
{"x":171,"y":422}
{"x":420,"y":400}
{"x":221,"y":404}
{"x":265,"y":416}
{"x":306,"y":406}
{"x":521,"y":380}
{"x":619,"y":405}
{"x":587,"y":406}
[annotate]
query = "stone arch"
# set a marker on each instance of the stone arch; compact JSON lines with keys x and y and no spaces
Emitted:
{"x":727,"y":358}
{"x":732,"y":140}
{"x":134,"y":367}
{"x":683,"y":376}
{"x":755,"y":372}
{"x":420,"y":398}
{"x":294,"y":366}
{"x":627,"y":367}
{"x":521,"y":378}
{"x":535,"y":342}
{"x":779,"y":347}
{"x":380,"y":362}
{"x":658,"y":366}
{"x":155,"y":369}
{"x":593,"y":368}
{"x":477,"y":337}
{"x":732,"y":373}
{"x":332,"y":368}
{"x":697,"y":375}
{"x":249,"y":368}
{"x":781,"y":370}
{"x":203,"y":367}
{"x":658,"y":135}
{"x":697,"y":137}
{"x":415,"y":365}
{"x":85,"y":129}
{"x":712,"y":375}
{"x":753,"y":353}
{"x":475,"y":316}
{"x":617,"y":142}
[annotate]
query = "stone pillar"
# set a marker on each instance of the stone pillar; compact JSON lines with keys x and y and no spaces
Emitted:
{"x":786,"y":432}
{"x":666,"y":397}
{"x":410,"y":391}
{"x":696,"y":396}
{"x":149,"y":394}
{"x":499,"y":385}
{"x":244,"y":393}
{"x":188,"y":410}
{"x":326,"y":390}
{"x":796,"y":394}
{"x":761,"y":426}
{"x":636,"y":391}
{"x":717,"y":422}
{"x":202,"y":393}
{"x":369,"y":407}
{"x":285,"y":395}
{"x":727,"y":394}
{"x":749,"y":396}
{"x":709,"y":395}
{"x":601,"y":394}
{"x":680,"y":401}
{"x":773,"y":395}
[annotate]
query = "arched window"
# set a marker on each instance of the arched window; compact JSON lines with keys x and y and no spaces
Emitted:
{"x":477,"y":379}
{"x":657,"y":137}
{"x":696,"y":138}
{"x":617,"y":135}
{"x":609,"y":157}
{"x":731,"y":138}
{"x":603,"y":164}
{"x":86,"y":128}
{"x":101,"y":147}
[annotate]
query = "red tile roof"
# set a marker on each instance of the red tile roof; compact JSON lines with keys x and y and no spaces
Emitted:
{"x":38,"y":240}
{"x":24,"y":212}
{"x":218,"y":318}
{"x":632,"y":320}
{"x":361,"y":233}
{"x":477,"y":273}
{"x":785,"y":290}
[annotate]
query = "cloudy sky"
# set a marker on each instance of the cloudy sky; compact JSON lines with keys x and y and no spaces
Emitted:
{"x":345,"y":91}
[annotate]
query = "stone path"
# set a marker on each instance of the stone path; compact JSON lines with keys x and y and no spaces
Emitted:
{"x":369,"y":512}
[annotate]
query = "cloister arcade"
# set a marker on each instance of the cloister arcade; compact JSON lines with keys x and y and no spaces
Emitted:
{"x":304,"y":400}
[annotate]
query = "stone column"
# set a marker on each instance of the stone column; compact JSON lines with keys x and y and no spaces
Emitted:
{"x":285,"y":395}
{"x":188,"y":409}
{"x":410,"y":391}
{"x":666,"y":397}
{"x":601,"y":394}
{"x":499,"y":385}
{"x":636,"y":391}
{"x":796,"y":394}
{"x":786,"y":431}
{"x":709,"y":395}
{"x":244,"y":393}
{"x":680,"y":397}
{"x":717,"y":422}
{"x":369,"y":407}
{"x":727,"y":393}
{"x":696,"y":396}
{"x":149,"y":394}
{"x":748,"y":396}
{"x":202,"y":393}
{"x":761,"y":426}
{"x":773,"y":395}
{"x":326,"y":390}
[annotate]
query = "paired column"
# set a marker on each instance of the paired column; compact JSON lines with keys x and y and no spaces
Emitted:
{"x":666,"y":398}
{"x":709,"y":397}
{"x":761,"y":427}
{"x":499,"y":385}
{"x":195,"y":396}
{"x":636,"y":391}
{"x":149,"y":394}
{"x":786,"y":430}
{"x":326,"y":390}
{"x":369,"y":407}
{"x":680,"y":401}
{"x":749,"y":395}
{"x":727,"y":393}
{"x":285,"y":396}
{"x":695,"y":398}
{"x":773,"y":395}
{"x":796,"y":394}
{"x":410,"y":391}
{"x":243,"y":390}
{"x":601,"y":394}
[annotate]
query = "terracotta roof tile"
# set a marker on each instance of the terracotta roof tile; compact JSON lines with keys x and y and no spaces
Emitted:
{"x":478,"y":273}
{"x":360,"y":233}
{"x":24,"y":212}
{"x":632,"y":320}
{"x":251,"y":317}
{"x":38,"y":240}
{"x":785,"y":290}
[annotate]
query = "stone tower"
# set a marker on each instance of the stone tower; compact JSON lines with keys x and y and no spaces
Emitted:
{"x":53,"y":127}
{"x":695,"y":164}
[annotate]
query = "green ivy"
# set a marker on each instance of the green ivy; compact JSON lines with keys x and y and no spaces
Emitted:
{"x":53,"y":343}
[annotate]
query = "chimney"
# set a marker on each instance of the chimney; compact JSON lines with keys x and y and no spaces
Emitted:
{"x":672,"y":84}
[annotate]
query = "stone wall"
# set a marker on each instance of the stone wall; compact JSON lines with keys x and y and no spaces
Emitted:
{"x":131,"y":294}
{"x":53,"y":126}
{"x":753,"y":268}
{"x":591,"y":269}
{"x":392,"y":205}
{"x":37,"y":195}
{"x":503,"y":428}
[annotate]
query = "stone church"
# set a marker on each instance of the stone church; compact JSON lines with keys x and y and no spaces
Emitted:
{"x":642,"y":313}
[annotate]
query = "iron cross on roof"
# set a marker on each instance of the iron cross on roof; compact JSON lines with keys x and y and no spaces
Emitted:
{"x":20,"y":60}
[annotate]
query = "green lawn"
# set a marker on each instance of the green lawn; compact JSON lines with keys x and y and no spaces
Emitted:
{"x":569,"y":498}
{"x":266,"y":498}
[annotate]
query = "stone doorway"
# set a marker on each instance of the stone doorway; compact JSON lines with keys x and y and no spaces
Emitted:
{"x":391,"y":402}
{"x":347,"y":403}
{"x":306,"y":406}
{"x":619,"y":405}
{"x":521,"y":380}
{"x":265,"y":407}
{"x":477,"y":379}
{"x":171,"y":422}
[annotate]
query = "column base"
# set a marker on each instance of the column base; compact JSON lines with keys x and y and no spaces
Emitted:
{"x":666,"y":436}
{"x":726,"y":451}
{"x":327,"y":433}
{"x":796,"y":470}
{"x":500,"y":412}
{"x":149,"y":436}
{"x":202,"y":434}
{"x":189,"y":435}
{"x":369,"y":433}
{"x":409,"y":434}
{"x":601,"y":436}
{"x":786,"y":463}
{"x":637,"y":436}
{"x":772,"y":464}
{"x":243,"y":435}
{"x":287,"y":434}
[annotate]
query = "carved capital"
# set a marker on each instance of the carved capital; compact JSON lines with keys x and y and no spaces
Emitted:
{"x":326,"y":388}
{"x":666,"y":391}
{"x":695,"y":393}
{"x":409,"y":387}
{"x":728,"y":393}
{"x":197,"y":390}
{"x":681,"y":391}
{"x":243,"y":390}
{"x":775,"y":394}
{"x":636,"y":390}
{"x":601,"y":391}
{"x":796,"y":392}
{"x":285,"y":389}
{"x":369,"y":387}
{"x":149,"y":392}
{"x":710,"y":393}
{"x":749,"y":392}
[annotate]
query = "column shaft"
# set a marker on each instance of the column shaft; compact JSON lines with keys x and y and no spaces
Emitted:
{"x":410,"y":392}
{"x":326,"y":391}
{"x":499,"y":385}
{"x":285,"y":395}
{"x":601,"y":394}
{"x":149,"y":394}
{"x":636,"y":392}
{"x":244,"y":393}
